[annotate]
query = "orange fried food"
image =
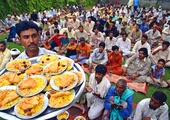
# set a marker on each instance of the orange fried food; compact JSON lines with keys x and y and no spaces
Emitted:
{"x":60,"y":94}
{"x":35,"y":69}
{"x":13,"y":78}
{"x":65,"y":82}
{"x":79,"y":75}
{"x":8,"y":96}
{"x":28,"y":83}
{"x":29,"y":103}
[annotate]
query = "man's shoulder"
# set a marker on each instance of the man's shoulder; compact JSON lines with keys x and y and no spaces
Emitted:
{"x":45,"y":51}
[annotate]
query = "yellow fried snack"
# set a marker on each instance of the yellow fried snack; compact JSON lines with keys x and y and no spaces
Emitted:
{"x":11,"y":78}
{"x":31,"y":105}
{"x":48,"y":87}
{"x":69,"y":64}
{"x":30,"y":85}
{"x":56,"y":67}
{"x":79,"y":75}
{"x":8,"y":98}
{"x":63,"y":115}
{"x":64,"y":80}
{"x":47,"y":58}
{"x":35,"y":69}
{"x":59,"y":99}
{"x":18,"y":65}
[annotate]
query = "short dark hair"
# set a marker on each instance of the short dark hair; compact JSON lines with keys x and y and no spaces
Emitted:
{"x":145,"y":36}
{"x":100,"y":68}
{"x":166,"y":43}
{"x":55,"y":23}
{"x":72,"y":38}
{"x":159,"y":95}
{"x":96,"y":28}
{"x":25,"y":25}
{"x":40,"y":28}
{"x":161,"y":60}
{"x":102,"y":44}
{"x":144,"y":50}
{"x":47,"y":33}
{"x":56,"y":31}
{"x":82,"y":39}
{"x":124,"y":33}
{"x":111,"y":32}
{"x":65,"y":33}
{"x":115,"y":47}
{"x":123,"y":82}
{"x":3,"y":42}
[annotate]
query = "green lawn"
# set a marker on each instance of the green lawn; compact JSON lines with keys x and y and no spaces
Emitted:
{"x":137,"y":96}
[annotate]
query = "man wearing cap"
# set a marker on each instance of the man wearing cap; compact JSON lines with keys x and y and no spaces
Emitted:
{"x":14,"y":53}
{"x":83,"y":52}
{"x":5,"y":55}
{"x":70,"y":31}
{"x":153,"y":108}
{"x":8,"y":19}
{"x":28,"y":37}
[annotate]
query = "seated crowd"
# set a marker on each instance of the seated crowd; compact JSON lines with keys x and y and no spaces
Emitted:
{"x":103,"y":41}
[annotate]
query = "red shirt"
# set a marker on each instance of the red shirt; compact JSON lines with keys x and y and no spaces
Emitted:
{"x":56,"y":39}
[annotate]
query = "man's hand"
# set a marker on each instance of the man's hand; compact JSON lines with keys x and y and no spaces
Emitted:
{"x":88,"y":88}
{"x":133,"y":76}
{"x":76,"y":60}
{"x":125,"y":71}
{"x":96,"y":93}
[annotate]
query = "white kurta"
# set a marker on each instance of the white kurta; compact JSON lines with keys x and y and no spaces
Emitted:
{"x":95,"y":103}
{"x":142,"y":110}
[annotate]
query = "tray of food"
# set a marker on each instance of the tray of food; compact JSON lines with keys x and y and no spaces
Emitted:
{"x":39,"y":88}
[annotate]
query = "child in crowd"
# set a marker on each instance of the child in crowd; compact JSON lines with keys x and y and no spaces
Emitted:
{"x":45,"y":42}
{"x":71,"y":48}
{"x":157,"y":74}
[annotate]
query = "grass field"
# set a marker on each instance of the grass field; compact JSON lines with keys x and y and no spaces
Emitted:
{"x":137,"y":97}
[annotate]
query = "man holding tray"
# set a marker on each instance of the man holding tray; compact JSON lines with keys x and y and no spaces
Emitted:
{"x":28,"y":37}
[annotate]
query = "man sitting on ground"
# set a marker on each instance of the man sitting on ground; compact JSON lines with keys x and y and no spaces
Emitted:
{"x":69,"y":30}
{"x":153,"y":108}
{"x":81,"y":33}
{"x":28,"y":37}
{"x":97,"y":88}
{"x":114,"y":63}
{"x":136,"y":34}
{"x":137,"y":67}
{"x":162,"y":52}
{"x":99,"y":56}
{"x":118,"y":101}
{"x":110,"y":41}
{"x":5,"y":55}
{"x":71,"y":48}
{"x":83,"y":52}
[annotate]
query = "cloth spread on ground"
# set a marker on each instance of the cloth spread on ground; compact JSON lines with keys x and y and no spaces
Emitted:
{"x":138,"y":87}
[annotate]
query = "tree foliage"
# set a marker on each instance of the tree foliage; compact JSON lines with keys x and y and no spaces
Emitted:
{"x":9,"y":6}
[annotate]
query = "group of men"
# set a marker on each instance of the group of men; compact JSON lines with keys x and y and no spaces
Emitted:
{"x":106,"y":55}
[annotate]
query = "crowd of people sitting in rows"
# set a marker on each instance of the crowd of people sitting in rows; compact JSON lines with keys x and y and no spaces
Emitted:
{"x":102,"y":38}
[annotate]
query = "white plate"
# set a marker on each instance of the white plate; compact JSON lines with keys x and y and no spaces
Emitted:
{"x":72,"y":63}
{"x":56,"y":72}
{"x":18,"y":70}
{"x":12,"y":87}
{"x":34,"y":115}
{"x":77,"y":76}
{"x":65,"y":118}
{"x":34,"y":76}
{"x":73,"y":93}
{"x":79,"y":117}
{"x":38,"y":60}
{"x":64,"y":89}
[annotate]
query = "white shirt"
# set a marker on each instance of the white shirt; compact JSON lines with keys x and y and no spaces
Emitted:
{"x":139,"y":45}
{"x":42,"y":51}
{"x":150,"y":34}
{"x":143,"y":110}
{"x":96,"y":55}
{"x":124,"y":45}
{"x":110,"y":42}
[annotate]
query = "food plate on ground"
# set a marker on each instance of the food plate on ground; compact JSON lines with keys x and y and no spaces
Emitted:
{"x":70,"y":63}
{"x":79,"y":118}
{"x":79,"y":75}
{"x":47,"y":58}
{"x":8,"y":97}
{"x":31,"y":107}
{"x":35,"y":69}
{"x":31,"y":85}
{"x":63,"y":116}
{"x":55,"y":67}
{"x":18,"y":65}
{"x":48,"y":86}
{"x":63,"y":82}
{"x":58,"y":99}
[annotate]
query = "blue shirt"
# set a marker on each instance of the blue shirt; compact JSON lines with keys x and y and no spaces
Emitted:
{"x":144,"y":28}
{"x":63,"y":41}
{"x":123,"y":112}
{"x":136,"y":2}
{"x":156,"y":72}
{"x":12,"y":32}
